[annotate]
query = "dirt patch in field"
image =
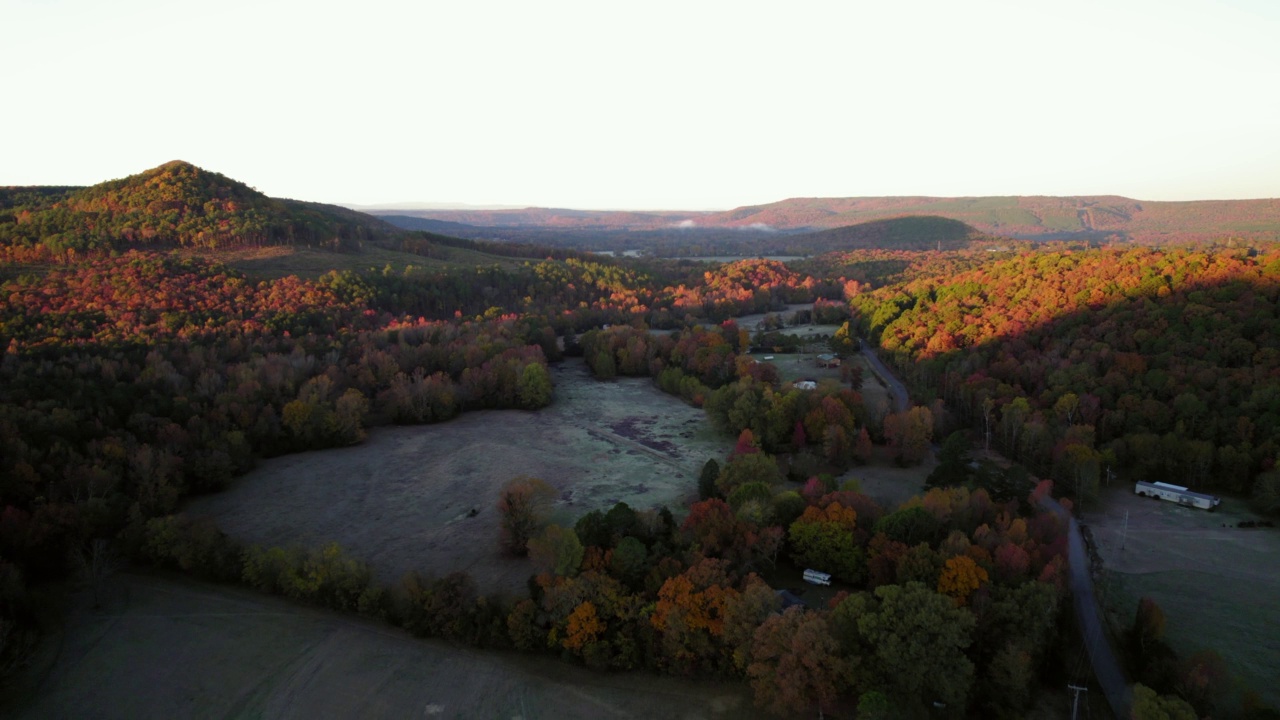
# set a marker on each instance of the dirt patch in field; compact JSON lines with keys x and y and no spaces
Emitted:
{"x":403,"y":500}
{"x":1217,"y":583}
{"x":172,"y":648}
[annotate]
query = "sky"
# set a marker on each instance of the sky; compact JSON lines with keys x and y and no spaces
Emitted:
{"x":653,"y":105}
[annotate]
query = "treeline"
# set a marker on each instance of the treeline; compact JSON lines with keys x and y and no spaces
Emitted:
{"x":875,"y":268}
{"x":573,"y":294}
{"x":747,"y":286}
{"x":1163,"y":363}
{"x":427,"y":244}
{"x":576,"y":295}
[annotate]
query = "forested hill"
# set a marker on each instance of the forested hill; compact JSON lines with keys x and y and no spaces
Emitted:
{"x":905,"y":233}
{"x":174,"y":205}
{"x":1160,"y":362}
{"x":1032,"y":216}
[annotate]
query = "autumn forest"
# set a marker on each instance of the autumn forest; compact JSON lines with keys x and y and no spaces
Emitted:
{"x":151,"y":357}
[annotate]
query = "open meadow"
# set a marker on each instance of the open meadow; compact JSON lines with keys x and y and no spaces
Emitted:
{"x":1217,"y":583}
{"x":889,"y":484}
{"x":165,"y":647}
{"x":404,"y":499}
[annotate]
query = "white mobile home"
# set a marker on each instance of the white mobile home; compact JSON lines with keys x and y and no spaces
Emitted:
{"x":1176,"y":493}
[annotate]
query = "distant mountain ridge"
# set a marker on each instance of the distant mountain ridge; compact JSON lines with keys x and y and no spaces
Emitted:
{"x":1034,"y":217}
{"x":551,"y":217}
{"x":175,"y":204}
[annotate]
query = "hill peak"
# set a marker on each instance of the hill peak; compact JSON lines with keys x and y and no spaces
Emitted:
{"x":181,"y":204}
{"x":175,"y":165}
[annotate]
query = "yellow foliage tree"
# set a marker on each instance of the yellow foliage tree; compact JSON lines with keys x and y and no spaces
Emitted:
{"x":960,"y":577}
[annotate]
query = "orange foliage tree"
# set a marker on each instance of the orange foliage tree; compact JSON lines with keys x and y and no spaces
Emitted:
{"x":960,"y":577}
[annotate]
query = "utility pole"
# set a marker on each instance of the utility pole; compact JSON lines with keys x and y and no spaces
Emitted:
{"x":1075,"y":703}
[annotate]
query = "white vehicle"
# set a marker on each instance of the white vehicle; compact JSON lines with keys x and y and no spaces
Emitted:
{"x":1176,"y":493}
{"x":813,"y":577}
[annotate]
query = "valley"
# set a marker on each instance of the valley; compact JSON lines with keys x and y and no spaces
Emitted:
{"x":485,"y":455}
{"x":693,"y":361}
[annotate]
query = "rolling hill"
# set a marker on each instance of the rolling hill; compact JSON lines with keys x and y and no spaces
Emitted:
{"x":181,"y":208}
{"x":918,"y":232}
{"x":1028,"y":217}
{"x":175,"y":205}
{"x":1033,"y":217}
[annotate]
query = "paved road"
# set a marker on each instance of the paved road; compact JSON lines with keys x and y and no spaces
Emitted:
{"x":1101,"y":655}
{"x":896,"y":388}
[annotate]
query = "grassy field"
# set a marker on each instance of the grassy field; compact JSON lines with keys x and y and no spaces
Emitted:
{"x":402,"y":499}
{"x":172,"y":648}
{"x":1216,"y":583}
{"x":888,"y":484}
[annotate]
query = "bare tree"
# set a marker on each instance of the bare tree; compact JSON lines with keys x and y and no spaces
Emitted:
{"x":95,"y":564}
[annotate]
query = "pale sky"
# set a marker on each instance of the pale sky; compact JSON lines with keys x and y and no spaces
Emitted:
{"x":679,"y":105}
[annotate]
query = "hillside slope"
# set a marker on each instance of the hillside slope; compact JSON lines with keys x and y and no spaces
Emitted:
{"x":175,"y":205}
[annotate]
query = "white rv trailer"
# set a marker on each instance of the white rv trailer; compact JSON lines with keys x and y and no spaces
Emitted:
{"x":1176,"y":493}
{"x":814,"y":577}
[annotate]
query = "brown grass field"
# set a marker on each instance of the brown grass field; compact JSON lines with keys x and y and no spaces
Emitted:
{"x":164,"y":647}
{"x":887,"y":483}
{"x":401,"y":499}
{"x":1218,"y":584}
